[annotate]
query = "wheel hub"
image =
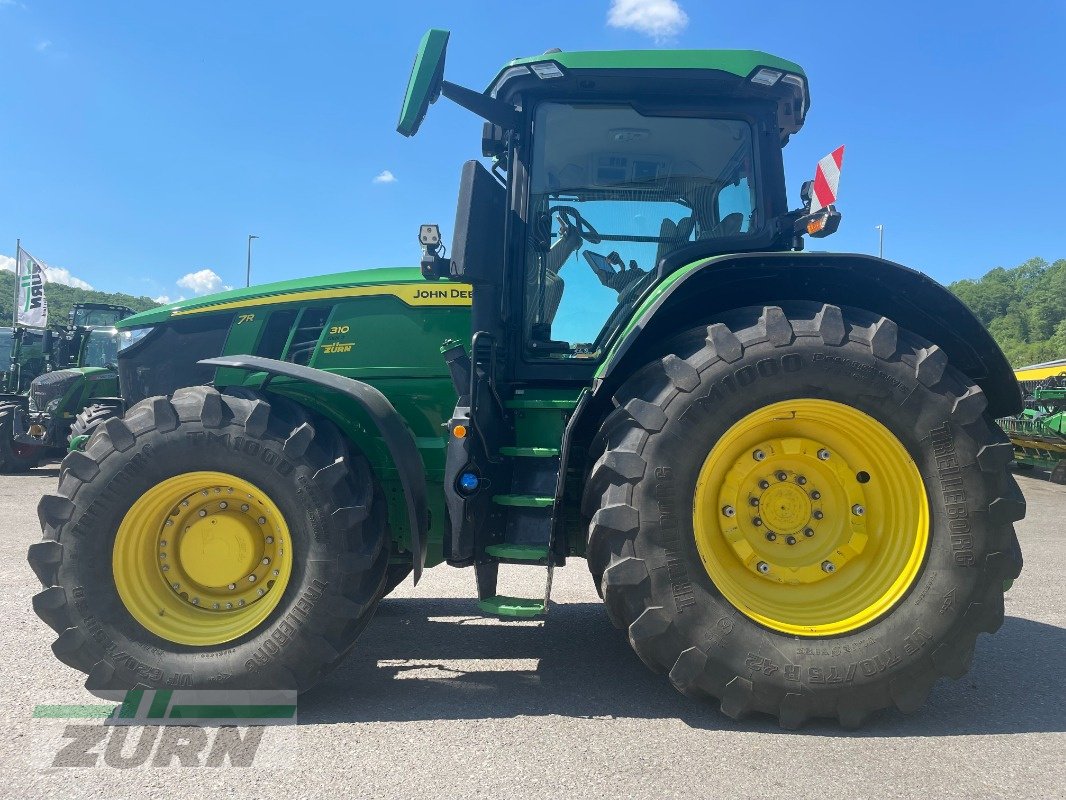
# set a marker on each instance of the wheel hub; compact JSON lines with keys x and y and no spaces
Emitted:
{"x":792,"y":490}
{"x":202,"y":558}
{"x":810,"y":517}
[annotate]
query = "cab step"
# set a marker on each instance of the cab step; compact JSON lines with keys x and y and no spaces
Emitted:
{"x":518,"y":552}
{"x":522,"y":607}
{"x":530,"y":452}
{"x":523,"y":500}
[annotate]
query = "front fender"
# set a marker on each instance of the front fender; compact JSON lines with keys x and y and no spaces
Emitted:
{"x":911,"y":299}
{"x":394,"y":431}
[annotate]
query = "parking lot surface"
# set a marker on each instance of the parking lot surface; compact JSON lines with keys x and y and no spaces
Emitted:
{"x":438,"y":701}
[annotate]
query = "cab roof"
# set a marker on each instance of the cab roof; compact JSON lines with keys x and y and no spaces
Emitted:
{"x":714,"y":73}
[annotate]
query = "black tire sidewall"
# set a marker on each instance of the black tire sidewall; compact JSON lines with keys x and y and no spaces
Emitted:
{"x":276,"y":646}
{"x":885,"y":390}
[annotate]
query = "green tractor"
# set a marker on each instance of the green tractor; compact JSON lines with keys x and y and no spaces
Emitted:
{"x":77,"y":370}
{"x":782,"y":468}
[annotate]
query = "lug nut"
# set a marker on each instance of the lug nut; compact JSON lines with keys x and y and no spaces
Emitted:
{"x":261,"y":520}
{"x":801,"y":480}
{"x":817,"y":515}
{"x":251,"y":578}
{"x":269,"y":540}
{"x":790,"y":540}
{"x":754,"y":502}
{"x":816,"y":495}
{"x":823,"y":455}
{"x":757,"y":521}
{"x":758,"y":455}
{"x":828,"y":566}
{"x":203,"y":492}
{"x":195,"y":601}
{"x":729,"y":511}
{"x":162,"y":555}
{"x":175,"y":586}
{"x":260,"y":592}
{"x":763,"y":567}
{"x":163,"y":543}
{"x":782,"y":475}
{"x":216,"y":606}
{"x":169,"y":522}
{"x":223,"y":504}
{"x":771,"y":536}
{"x":240,"y":602}
{"x":203,"y":513}
{"x":276,"y":572}
{"x":244,"y":506}
{"x":808,"y":532}
{"x":232,"y":586}
{"x":858,"y":510}
{"x":166,"y":567}
{"x":266,"y":561}
{"x":229,"y":605}
{"x":764,"y":484}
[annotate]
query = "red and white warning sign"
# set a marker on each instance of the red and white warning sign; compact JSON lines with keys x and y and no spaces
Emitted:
{"x":826,"y":180}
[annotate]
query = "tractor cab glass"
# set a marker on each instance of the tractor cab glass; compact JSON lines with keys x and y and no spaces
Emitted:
{"x":614,"y":191}
{"x":101,"y":347}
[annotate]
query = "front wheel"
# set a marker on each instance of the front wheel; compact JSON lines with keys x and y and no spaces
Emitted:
{"x":805,"y":514}
{"x":210,"y":541}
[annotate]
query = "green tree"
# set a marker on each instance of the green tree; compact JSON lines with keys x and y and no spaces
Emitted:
{"x":61,"y":297}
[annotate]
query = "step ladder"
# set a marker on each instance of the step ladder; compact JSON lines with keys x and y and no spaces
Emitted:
{"x":529,"y":506}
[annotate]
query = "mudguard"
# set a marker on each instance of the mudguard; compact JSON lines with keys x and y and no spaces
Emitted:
{"x":910,"y":298}
{"x":386,"y":418}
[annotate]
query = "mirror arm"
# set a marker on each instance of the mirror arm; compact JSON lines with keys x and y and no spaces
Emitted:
{"x":495,"y":111}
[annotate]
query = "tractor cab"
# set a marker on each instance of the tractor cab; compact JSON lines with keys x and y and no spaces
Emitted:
{"x":609,"y":171}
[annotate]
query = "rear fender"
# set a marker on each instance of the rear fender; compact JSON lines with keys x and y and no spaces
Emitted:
{"x":390,"y":425}
{"x":913,"y":300}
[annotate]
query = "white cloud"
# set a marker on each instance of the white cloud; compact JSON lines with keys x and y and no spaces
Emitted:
{"x":205,"y":281}
{"x":8,"y":263}
{"x":60,"y":275}
{"x":385,"y":176}
{"x":42,"y":45}
{"x":660,"y":19}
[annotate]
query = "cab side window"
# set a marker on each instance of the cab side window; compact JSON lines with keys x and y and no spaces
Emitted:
{"x":275,"y":334}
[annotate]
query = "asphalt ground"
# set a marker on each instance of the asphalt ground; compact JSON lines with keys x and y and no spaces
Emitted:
{"x":438,"y":701}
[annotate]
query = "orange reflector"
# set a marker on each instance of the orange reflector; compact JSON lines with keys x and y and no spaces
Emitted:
{"x":459,"y":431}
{"x":816,"y":224}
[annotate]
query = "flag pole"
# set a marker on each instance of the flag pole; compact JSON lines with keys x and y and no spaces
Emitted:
{"x":18,"y":260}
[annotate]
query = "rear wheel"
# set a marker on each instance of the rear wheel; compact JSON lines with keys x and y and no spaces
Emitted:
{"x":803,"y":514}
{"x":15,"y":457}
{"x":210,"y":541}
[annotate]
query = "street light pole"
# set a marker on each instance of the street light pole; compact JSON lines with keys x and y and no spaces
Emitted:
{"x":248,"y":274}
{"x":880,"y":241}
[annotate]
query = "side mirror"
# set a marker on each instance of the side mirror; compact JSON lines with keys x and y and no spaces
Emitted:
{"x":478,"y":245}
{"x":805,"y":194}
{"x":424,"y":85}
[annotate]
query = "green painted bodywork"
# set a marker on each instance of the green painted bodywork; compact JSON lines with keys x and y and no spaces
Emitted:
{"x":737,"y":62}
{"x":95,"y":382}
{"x":421,"y":88}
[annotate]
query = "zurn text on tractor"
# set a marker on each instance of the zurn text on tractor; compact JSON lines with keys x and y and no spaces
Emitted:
{"x":781,"y":467}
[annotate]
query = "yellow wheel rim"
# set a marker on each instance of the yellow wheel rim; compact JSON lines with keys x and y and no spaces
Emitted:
{"x":811,"y":517}
{"x":202,"y":558}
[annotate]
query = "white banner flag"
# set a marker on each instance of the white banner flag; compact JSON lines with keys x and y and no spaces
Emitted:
{"x":30,"y":278}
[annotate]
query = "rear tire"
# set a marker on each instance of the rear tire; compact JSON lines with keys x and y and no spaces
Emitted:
{"x":642,"y":539}
{"x":15,"y":457}
{"x":326,"y":497}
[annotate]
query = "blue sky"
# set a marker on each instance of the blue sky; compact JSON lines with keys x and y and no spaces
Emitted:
{"x":142,"y":142}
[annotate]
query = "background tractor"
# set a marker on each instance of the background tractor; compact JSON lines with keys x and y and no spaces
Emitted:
{"x":71,"y":368}
{"x":782,"y":468}
{"x":1039,"y":432}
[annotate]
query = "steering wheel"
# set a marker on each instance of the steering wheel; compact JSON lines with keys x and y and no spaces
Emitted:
{"x":572,"y":217}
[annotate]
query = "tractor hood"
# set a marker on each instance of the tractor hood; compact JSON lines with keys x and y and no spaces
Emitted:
{"x":297,"y":289}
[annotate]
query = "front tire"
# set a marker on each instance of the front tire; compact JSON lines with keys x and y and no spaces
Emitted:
{"x":787,"y":624}
{"x":90,"y":418}
{"x":284,"y":568}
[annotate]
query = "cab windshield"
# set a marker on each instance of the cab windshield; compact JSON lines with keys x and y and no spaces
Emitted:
{"x":613,"y":191}
{"x":101,"y":347}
